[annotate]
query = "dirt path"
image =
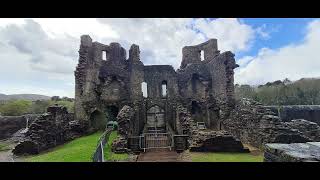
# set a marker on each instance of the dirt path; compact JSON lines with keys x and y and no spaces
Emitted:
{"x":6,"y":155}
{"x":161,"y":155}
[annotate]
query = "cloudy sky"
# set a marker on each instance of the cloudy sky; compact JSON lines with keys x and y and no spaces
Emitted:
{"x":40,"y":55}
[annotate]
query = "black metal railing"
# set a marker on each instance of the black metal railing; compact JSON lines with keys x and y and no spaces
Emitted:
{"x":98,"y":155}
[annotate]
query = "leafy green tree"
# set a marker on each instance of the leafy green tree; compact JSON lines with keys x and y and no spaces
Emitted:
{"x":15,"y":108}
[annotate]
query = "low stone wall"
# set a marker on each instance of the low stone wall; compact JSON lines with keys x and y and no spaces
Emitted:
{"x":307,"y":112}
{"x":296,"y":152}
{"x":11,"y":124}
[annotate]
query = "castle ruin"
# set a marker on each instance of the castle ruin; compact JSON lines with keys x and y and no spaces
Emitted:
{"x":106,"y":81}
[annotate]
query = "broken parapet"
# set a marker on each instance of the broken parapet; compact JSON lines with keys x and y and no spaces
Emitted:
{"x":192,"y":54}
{"x":295,"y":152}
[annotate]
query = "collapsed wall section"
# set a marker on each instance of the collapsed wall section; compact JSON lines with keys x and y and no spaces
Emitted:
{"x":253,"y":124}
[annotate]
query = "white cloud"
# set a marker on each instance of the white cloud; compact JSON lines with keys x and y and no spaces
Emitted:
{"x":293,"y":61}
{"x":244,"y":61}
{"x":232,"y":35}
{"x":40,"y":55}
{"x":264,"y":31}
{"x":165,"y":38}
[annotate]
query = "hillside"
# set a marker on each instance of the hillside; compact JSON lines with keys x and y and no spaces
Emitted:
{"x":31,"y":97}
{"x":305,"y":91}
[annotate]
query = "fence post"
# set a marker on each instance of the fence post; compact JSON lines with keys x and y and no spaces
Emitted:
{"x":102,"y":153}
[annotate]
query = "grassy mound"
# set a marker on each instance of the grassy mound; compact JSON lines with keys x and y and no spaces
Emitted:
{"x":225,"y":157}
{"x":78,"y":150}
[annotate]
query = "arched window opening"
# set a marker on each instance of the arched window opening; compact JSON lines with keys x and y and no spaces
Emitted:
{"x":202,"y":55}
{"x":144,"y":88}
{"x":98,"y":120}
{"x":164,"y":88}
{"x":111,"y":113}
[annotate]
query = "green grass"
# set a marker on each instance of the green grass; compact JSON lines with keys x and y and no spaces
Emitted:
{"x":225,"y":157}
{"x":4,"y":147}
{"x":111,"y":156}
{"x":78,"y":150}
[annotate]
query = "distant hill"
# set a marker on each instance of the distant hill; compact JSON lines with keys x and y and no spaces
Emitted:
{"x":31,"y":97}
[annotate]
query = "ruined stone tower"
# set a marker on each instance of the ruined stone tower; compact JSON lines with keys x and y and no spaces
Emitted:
{"x":106,"y":81}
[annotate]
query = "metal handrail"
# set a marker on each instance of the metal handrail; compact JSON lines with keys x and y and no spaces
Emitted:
{"x":98,"y":155}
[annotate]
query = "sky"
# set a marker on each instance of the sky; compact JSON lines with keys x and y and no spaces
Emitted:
{"x":39,"y":56}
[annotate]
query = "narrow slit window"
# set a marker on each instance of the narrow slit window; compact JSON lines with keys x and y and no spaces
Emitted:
{"x":104,"y":55}
{"x":144,"y":88}
{"x":164,"y":88}
{"x":202,"y":55}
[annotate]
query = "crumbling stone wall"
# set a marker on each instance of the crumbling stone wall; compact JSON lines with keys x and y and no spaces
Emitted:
{"x":11,"y":124}
{"x":308,"y":128}
{"x":192,"y":54}
{"x":307,"y":112}
{"x":49,"y":130}
{"x":117,"y":80}
{"x":254,"y":124}
{"x":124,"y":119}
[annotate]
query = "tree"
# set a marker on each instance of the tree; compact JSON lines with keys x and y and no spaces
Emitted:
{"x":55,"y":98}
{"x":39,"y":106}
{"x":16,"y":108}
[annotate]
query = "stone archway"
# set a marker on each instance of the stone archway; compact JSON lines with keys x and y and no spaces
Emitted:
{"x":111,"y":113}
{"x":98,"y":120}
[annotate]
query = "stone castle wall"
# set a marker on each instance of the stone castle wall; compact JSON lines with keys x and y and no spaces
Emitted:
{"x":116,"y":81}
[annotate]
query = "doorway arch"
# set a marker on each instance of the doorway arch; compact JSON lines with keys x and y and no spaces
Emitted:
{"x":98,"y":120}
{"x":156,"y":118}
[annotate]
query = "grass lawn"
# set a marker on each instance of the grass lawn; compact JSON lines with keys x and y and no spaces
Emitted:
{"x":78,"y":150}
{"x":225,"y":157}
{"x":109,"y":155}
{"x":4,"y":147}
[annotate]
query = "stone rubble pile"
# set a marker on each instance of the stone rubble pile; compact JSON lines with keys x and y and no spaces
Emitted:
{"x":254,"y":124}
{"x":308,"y":128}
{"x":49,"y":130}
